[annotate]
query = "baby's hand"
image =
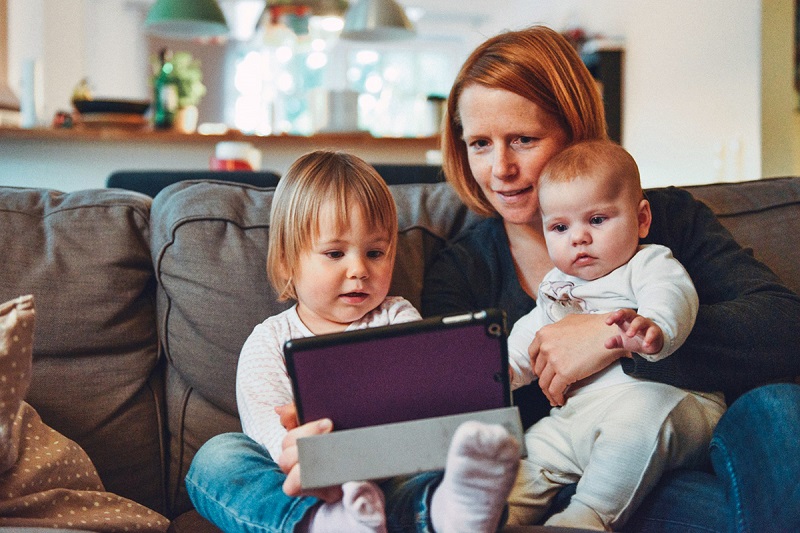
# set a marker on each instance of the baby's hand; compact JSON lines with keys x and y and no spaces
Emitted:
{"x":637,"y":333}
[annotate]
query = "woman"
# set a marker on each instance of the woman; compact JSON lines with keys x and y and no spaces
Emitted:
{"x":519,"y":99}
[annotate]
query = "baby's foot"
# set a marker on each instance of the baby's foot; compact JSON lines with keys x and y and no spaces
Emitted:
{"x":481,"y":468}
{"x":361,"y":510}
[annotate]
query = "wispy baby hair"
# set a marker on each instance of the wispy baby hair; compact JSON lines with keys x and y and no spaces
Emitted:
{"x":599,"y":159}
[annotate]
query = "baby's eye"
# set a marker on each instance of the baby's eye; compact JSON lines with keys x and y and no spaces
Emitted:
{"x":559,"y":228}
{"x":597,"y":220}
{"x":334,"y":254}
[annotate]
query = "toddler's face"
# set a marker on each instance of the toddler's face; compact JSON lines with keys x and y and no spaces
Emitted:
{"x":344,"y":275}
{"x":591,"y":230}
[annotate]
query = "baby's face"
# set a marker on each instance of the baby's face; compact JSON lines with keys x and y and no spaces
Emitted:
{"x":591,"y":229}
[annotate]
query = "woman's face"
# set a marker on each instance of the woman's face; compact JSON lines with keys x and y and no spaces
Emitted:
{"x":509,"y":140}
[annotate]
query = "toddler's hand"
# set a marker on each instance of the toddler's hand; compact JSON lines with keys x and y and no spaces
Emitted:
{"x":290,"y":465}
{"x":637,"y":333}
{"x":288,"y":416}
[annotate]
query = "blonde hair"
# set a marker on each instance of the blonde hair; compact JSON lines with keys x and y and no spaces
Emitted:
{"x":318,"y":179}
{"x":538,"y":64}
{"x":605,"y":160}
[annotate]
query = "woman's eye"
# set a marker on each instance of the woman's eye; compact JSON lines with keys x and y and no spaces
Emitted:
{"x":526,"y":140}
{"x":597,"y":220}
{"x":479,"y":144}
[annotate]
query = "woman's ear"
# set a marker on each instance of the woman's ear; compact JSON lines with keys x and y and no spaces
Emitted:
{"x":645,"y":218}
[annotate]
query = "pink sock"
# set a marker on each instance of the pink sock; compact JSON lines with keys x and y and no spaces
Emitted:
{"x":361,"y":510}
{"x":481,"y":468}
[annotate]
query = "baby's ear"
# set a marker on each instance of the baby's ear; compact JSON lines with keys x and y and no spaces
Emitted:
{"x":645,"y":218}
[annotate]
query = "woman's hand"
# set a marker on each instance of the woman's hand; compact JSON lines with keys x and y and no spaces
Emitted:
{"x":570,"y":350}
{"x":289,"y":461}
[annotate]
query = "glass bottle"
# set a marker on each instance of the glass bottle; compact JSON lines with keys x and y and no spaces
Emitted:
{"x":165,"y":92}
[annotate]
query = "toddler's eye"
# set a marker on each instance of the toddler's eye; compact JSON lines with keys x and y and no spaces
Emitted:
{"x":375,"y":254}
{"x":335,"y":254}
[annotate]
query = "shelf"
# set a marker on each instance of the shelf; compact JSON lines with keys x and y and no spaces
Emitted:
{"x":82,"y":134}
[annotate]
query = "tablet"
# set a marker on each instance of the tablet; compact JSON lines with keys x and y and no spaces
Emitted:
{"x":438,"y":366}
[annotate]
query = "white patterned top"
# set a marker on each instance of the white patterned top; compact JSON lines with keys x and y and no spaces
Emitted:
{"x":262,"y":381}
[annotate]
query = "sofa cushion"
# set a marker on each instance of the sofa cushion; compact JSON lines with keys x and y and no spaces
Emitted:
{"x":85,"y":257}
{"x":209,"y":249}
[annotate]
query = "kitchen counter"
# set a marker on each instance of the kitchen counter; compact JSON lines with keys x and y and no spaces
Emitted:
{"x":82,"y":157}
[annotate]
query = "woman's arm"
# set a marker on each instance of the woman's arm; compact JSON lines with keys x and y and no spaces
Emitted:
{"x":477,"y":271}
{"x":748,"y":325}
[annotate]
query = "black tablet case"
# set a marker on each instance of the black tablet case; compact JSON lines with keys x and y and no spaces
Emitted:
{"x":433,"y":367}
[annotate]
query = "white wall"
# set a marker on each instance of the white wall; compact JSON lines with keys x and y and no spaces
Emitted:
{"x":692,"y":80}
{"x":73,"y":39}
{"x":780,"y":115}
{"x":693,"y":101}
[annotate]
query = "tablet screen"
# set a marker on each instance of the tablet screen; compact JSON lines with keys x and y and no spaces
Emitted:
{"x":433,"y":367}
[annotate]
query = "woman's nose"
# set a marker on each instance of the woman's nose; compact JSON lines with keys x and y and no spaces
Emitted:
{"x":503,"y":164}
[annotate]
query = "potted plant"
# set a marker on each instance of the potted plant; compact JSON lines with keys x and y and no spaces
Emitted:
{"x":178,"y":88}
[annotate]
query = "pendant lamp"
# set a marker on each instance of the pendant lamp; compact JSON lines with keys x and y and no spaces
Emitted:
{"x":186,"y":19}
{"x":376,"y":20}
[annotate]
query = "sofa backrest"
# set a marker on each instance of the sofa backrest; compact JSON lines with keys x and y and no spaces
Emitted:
{"x":85,"y":256}
{"x":108,"y":271}
{"x":763,"y":215}
{"x":209,"y":250}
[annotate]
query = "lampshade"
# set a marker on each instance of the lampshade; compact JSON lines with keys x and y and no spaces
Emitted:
{"x":376,"y":20}
{"x":317,"y":7}
{"x":322,"y":8}
{"x":186,"y":19}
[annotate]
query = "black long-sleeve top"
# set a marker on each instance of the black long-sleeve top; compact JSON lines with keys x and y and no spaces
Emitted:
{"x":747,"y":331}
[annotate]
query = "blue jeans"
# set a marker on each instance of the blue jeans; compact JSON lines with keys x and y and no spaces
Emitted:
{"x":755,"y":453}
{"x":756,"y":458}
{"x":235,"y":484}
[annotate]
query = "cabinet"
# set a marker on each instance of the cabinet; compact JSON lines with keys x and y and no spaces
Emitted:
{"x":606,"y":65}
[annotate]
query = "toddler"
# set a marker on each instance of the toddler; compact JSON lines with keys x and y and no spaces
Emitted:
{"x":333,"y":237}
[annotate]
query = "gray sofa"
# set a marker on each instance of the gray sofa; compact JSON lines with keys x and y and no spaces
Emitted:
{"x":143,"y":305}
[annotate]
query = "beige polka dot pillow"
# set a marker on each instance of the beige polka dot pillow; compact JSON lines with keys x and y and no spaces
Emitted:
{"x":16,"y":340}
{"x":46,"y":479}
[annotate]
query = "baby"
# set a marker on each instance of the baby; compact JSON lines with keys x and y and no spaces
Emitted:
{"x":616,"y":434}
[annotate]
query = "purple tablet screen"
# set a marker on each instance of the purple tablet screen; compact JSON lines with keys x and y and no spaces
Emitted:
{"x":433,"y":367}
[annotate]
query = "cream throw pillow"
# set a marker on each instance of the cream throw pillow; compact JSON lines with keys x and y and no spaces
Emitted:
{"x":47,"y":480}
{"x":16,"y":340}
